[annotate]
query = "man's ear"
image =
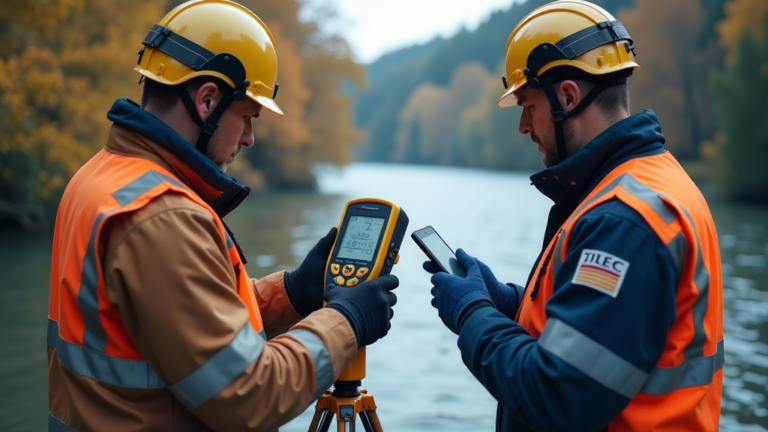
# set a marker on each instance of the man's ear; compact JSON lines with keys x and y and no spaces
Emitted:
{"x":569,"y":95}
{"x":206,"y":98}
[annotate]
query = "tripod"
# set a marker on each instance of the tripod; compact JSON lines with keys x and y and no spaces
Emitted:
{"x":345,"y":403}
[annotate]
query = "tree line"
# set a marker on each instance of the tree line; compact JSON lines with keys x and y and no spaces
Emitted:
{"x":704,"y":71}
{"x":64,"y":62}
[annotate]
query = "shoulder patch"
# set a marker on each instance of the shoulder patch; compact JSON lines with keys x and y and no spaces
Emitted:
{"x":601,"y":271}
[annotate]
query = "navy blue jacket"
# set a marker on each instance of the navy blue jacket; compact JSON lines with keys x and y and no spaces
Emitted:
{"x":536,"y":390}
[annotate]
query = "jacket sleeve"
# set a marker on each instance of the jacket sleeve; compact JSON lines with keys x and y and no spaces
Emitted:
{"x":595,"y":350}
{"x":171,"y":280}
{"x":276,"y":310}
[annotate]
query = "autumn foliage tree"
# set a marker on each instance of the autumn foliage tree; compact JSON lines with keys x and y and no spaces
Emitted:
{"x":318,"y":125}
{"x":64,"y":62}
{"x":432,"y":115}
{"x":459,"y":124}
{"x":673,"y":79}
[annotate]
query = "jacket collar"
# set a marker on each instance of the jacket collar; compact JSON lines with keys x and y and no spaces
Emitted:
{"x":138,"y":133}
{"x":571,"y":180}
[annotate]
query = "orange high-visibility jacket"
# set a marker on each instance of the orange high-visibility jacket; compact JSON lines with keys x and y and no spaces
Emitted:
{"x":683,"y":391}
{"x":154,"y":324}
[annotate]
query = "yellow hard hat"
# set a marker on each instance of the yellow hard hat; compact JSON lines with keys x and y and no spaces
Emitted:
{"x":217,"y":38}
{"x":571,"y":33}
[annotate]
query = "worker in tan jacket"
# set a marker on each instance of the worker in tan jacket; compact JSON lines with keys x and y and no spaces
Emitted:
{"x":153,"y":323}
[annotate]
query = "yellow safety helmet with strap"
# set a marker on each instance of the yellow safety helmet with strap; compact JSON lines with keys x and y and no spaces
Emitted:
{"x":566,"y":39}
{"x":216,"y":38}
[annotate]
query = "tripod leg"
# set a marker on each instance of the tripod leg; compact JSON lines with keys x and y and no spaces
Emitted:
{"x":373,"y":420}
{"x":321,"y":421}
{"x":313,"y":427}
{"x":366,"y":422}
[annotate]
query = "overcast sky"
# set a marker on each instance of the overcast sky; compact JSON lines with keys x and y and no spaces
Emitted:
{"x":375,"y":27}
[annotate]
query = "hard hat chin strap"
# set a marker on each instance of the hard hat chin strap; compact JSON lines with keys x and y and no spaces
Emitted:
{"x":199,"y":58}
{"x":559,"y":115}
{"x":210,"y":124}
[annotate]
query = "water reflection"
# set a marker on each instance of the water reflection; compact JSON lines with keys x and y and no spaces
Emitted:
{"x":744,"y":247}
{"x":415,"y":374}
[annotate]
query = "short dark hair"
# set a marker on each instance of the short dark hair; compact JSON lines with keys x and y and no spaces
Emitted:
{"x":609,"y":100}
{"x":163,"y":97}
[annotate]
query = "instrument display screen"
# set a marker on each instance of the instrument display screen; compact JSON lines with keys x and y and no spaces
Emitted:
{"x":360,"y":238}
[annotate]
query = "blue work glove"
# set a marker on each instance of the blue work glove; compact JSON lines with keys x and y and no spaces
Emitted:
{"x":367,"y":307}
{"x":504,"y":297}
{"x":454,"y":296}
{"x":304,"y":286}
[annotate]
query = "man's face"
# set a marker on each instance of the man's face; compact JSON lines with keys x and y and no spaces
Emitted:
{"x":536,"y":120}
{"x":234,"y":132}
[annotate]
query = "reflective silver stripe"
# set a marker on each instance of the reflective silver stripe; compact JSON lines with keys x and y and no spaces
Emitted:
{"x":677,"y":247}
{"x":87,"y":297}
{"x":690,"y":373}
{"x":103,"y":368}
{"x":226,"y":365}
{"x":56,"y":425}
{"x":230,"y":243}
{"x":637,"y":189}
{"x":320,"y":356}
{"x":695,"y":349}
{"x":650,"y":196}
{"x":128,"y":193}
{"x":591,"y":358}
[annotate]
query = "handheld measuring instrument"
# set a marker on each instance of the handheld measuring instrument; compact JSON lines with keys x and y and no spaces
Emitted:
{"x":367,"y":246}
{"x":368,"y":243}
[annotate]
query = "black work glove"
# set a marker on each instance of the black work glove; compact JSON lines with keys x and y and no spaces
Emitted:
{"x":304,"y":285}
{"x":367,"y":307}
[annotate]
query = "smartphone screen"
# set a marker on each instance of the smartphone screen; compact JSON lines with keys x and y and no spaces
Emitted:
{"x":437,"y":250}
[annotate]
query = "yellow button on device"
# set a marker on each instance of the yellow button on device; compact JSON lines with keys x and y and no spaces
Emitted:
{"x":339,"y":280}
{"x":352,"y":282}
{"x":348,"y":270}
{"x":334,"y":269}
{"x":397,"y":258}
{"x":361,"y":272}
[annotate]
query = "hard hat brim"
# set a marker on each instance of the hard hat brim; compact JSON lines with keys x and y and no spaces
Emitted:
{"x":509,"y":99}
{"x":267,"y":103}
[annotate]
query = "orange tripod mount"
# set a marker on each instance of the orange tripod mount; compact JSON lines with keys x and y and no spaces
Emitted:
{"x":367,"y":246}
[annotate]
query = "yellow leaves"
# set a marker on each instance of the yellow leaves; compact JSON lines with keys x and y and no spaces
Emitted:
{"x":742,"y":15}
{"x":64,"y":62}
{"x":61,"y":68}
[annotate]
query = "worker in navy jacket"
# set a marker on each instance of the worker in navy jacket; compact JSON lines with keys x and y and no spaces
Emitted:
{"x":619,"y":326}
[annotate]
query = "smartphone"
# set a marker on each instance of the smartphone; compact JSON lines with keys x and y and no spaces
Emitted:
{"x":438,"y":251}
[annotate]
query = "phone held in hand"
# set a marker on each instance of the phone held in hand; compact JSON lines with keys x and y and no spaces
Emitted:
{"x":438,"y":251}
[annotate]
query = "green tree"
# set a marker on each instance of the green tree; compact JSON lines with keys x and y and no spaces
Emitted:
{"x":742,"y":146}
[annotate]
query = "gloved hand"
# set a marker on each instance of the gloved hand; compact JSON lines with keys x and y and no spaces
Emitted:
{"x":454,"y":296}
{"x":504,"y":297}
{"x":367,"y":307}
{"x":304,"y":286}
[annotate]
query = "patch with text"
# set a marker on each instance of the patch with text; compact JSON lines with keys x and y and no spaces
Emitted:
{"x":601,"y":271}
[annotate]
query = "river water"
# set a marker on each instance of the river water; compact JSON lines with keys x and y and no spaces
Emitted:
{"x":415,"y":373}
